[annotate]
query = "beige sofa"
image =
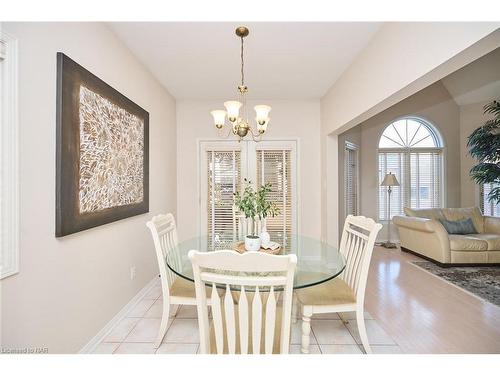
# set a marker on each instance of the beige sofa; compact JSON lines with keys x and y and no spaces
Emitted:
{"x":421,"y":233}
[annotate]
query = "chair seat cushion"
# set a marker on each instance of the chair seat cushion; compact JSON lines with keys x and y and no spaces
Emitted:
{"x":332,"y":292}
{"x":277,"y":331}
{"x":185,"y":288}
{"x":467,"y":243}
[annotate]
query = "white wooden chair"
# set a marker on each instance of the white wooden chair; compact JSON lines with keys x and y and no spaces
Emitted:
{"x":249,"y":319}
{"x":175,"y":290}
{"x":346,"y":292}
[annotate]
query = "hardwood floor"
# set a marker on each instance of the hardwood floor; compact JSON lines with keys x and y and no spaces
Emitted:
{"x":424,"y":314}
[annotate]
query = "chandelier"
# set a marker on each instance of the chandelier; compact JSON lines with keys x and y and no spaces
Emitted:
{"x":236,"y":111}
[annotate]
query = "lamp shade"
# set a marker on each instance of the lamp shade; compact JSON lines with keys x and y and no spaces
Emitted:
{"x":233,"y":109}
{"x":262,"y":112}
{"x":219,"y":117}
{"x":390,"y":180}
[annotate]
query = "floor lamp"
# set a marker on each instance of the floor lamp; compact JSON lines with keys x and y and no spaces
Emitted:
{"x":390,"y":180}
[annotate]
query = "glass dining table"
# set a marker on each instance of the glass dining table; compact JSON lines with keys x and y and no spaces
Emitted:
{"x":317,"y":262}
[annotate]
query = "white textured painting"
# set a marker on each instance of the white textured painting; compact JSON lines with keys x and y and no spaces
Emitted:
{"x":111,"y":154}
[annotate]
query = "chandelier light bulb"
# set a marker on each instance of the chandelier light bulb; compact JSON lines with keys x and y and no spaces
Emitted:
{"x":233,"y":109}
{"x":219,"y":118}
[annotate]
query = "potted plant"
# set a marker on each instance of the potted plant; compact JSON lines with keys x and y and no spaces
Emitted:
{"x":484,"y":146}
{"x":255,"y":204}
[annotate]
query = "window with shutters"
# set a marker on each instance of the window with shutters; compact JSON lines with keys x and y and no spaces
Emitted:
{"x":274,"y":166}
{"x":351,"y":179}
{"x":224,"y":166}
{"x":412,"y":150}
{"x":488,"y":208}
{"x":224,"y":179}
{"x":9,"y":198}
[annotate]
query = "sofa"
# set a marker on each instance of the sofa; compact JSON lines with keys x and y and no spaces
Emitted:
{"x":421,"y":233}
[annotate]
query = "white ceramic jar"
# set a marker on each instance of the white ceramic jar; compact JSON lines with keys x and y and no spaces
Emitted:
{"x":252,"y":243}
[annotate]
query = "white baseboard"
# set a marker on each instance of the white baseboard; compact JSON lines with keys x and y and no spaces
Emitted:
{"x":106,"y":330}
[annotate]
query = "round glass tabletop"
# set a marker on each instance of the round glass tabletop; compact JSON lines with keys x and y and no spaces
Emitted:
{"x":317,"y":261}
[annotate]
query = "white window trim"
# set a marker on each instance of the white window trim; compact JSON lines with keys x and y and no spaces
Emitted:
{"x":204,"y":145}
{"x":9,"y":161}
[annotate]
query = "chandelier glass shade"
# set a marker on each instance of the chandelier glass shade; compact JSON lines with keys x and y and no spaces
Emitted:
{"x":236,"y":111}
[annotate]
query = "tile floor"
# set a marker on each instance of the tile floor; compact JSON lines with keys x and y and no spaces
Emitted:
{"x":136,"y":333}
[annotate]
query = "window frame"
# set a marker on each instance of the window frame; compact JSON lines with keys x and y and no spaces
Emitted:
{"x":350,"y":146}
{"x":407,"y":151}
{"x":248,"y":162}
{"x":9,"y":158}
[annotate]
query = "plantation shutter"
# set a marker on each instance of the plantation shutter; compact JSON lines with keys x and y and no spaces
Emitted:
{"x":224,"y":175}
{"x":425,"y":179}
{"x":274,"y":166}
{"x":420,"y":176}
{"x":397,"y":164}
{"x":351,"y":182}
{"x":488,"y":208}
{"x":3,"y":50}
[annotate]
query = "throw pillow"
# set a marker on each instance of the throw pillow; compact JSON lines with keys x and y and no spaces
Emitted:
{"x":465,"y":226}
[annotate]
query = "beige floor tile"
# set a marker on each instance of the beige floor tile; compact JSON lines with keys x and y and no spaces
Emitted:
{"x":154,"y":293}
{"x":106,"y":348}
{"x":296,"y":334}
{"x":331,"y":332}
{"x":386,"y":349}
{"x":183,"y":331}
{"x":135,"y":348}
{"x":376,"y":335}
{"x":156,"y":309}
{"x":187,"y":312}
{"x":177,"y":348}
{"x":141,"y":308}
{"x":295,"y":349}
{"x":340,"y":349}
{"x":122,"y":329}
{"x":146,"y":330}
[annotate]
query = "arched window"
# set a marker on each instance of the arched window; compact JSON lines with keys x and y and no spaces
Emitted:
{"x":411,"y":149}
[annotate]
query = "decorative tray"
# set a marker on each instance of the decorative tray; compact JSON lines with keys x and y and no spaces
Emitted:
{"x":240,"y":248}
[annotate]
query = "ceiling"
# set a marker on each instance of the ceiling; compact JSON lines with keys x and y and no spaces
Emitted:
{"x":477,"y":82}
{"x":201,"y":60}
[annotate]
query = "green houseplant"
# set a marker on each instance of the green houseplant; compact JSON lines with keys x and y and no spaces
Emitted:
{"x":484,"y":146}
{"x":255,"y":204}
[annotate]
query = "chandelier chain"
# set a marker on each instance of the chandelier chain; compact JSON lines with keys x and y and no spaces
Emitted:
{"x":242,"y":65}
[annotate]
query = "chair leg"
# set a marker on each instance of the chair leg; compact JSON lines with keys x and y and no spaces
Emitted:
{"x":164,"y":324}
{"x":306,"y":330}
{"x":295,"y":308}
{"x":360,"y":319}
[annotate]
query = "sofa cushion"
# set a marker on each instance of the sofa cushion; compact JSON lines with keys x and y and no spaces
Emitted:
{"x":467,"y":243}
{"x":465,"y":226}
{"x":427,"y":213}
{"x":473,"y":213}
{"x":493,"y":240}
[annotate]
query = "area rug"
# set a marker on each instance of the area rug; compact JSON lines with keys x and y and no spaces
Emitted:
{"x":483,"y":282}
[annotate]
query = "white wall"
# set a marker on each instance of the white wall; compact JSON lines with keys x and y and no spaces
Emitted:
{"x":289,"y":119}
{"x":400,"y":60}
{"x":69,"y":288}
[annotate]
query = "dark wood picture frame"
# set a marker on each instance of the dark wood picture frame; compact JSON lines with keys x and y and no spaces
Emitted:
{"x":70,"y":76}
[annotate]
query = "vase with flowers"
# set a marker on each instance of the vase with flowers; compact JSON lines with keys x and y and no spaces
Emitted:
{"x":255,"y":205}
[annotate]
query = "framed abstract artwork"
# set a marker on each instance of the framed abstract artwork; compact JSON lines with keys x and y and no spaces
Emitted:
{"x":102,"y":152}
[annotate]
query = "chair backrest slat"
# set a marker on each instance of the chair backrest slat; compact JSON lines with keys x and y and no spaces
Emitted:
{"x":358,"y":240}
{"x":164,"y":233}
{"x":254,"y":275}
